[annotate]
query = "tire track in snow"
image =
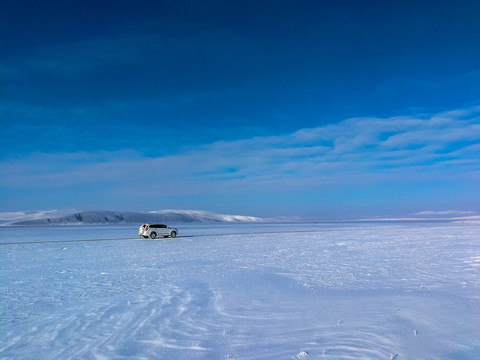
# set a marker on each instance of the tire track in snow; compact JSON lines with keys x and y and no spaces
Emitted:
{"x":205,"y":235}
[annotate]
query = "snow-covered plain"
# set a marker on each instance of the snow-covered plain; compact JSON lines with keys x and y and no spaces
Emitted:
{"x":242,"y":291}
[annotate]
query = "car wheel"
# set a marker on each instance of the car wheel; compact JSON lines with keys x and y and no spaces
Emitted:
{"x":153,"y":235}
{"x":173,"y":234}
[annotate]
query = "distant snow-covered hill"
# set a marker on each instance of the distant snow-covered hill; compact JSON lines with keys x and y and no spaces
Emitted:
{"x":73,"y":217}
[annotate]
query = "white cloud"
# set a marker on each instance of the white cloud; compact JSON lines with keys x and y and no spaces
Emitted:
{"x":355,"y":151}
{"x":445,"y":213}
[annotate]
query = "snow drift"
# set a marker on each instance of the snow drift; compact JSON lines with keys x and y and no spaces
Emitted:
{"x":312,"y":291}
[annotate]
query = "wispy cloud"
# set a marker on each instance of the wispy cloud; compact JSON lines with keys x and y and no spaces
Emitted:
{"x":75,"y":58}
{"x":446,"y":213}
{"x":130,"y":51}
{"x":354,"y":152}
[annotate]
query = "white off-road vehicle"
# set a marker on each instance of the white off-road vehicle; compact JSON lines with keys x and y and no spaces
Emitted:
{"x":153,"y":230}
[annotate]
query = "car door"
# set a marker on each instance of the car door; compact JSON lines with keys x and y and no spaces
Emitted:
{"x":163,"y":230}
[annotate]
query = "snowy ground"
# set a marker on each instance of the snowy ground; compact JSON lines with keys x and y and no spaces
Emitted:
{"x":316,"y":291}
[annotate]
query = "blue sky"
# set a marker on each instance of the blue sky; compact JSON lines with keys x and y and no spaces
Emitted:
{"x":324,"y":109}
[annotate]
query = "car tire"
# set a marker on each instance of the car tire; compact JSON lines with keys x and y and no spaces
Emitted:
{"x":153,"y":235}
{"x":173,"y":234}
